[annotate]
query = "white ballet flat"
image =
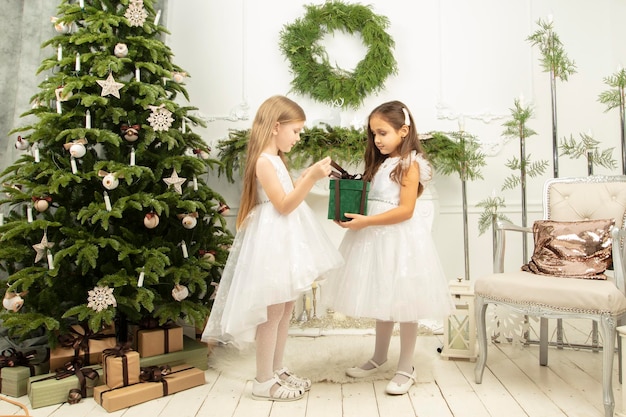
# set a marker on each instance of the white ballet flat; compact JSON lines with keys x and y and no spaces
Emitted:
{"x":393,"y":388}
{"x":357,"y":372}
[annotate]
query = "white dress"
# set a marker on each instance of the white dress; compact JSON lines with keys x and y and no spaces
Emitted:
{"x":392,"y":272}
{"x":273,"y":259}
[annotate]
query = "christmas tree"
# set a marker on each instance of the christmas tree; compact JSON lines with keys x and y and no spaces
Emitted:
{"x":107,"y":217}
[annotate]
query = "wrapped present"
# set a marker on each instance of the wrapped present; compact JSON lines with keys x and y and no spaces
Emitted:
{"x":82,"y":343}
{"x":15,"y":379}
{"x":120,"y":365}
{"x":194,"y":353}
{"x":155,"y":384}
{"x":153,"y":341}
{"x":65,"y":385}
{"x":348,"y":194}
{"x":16,"y":368}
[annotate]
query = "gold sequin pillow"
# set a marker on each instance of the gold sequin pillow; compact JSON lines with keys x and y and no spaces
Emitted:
{"x":579,"y":249}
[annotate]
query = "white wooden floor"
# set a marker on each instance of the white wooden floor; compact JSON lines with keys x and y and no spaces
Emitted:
{"x":513,"y":385}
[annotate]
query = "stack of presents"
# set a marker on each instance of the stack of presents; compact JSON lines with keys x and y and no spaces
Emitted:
{"x":155,"y":361}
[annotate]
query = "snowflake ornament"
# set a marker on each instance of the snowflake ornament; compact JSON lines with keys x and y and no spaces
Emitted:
{"x":100,"y":298}
{"x":160,"y":118}
{"x":135,"y":13}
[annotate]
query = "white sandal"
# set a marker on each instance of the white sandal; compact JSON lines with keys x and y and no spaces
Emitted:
{"x":285,"y":392}
{"x":294,"y":380}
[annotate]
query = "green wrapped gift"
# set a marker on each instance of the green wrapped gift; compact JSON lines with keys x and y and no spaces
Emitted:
{"x":347,"y":196}
{"x":54,"y":388}
{"x":194,"y":353}
{"x":15,"y":379}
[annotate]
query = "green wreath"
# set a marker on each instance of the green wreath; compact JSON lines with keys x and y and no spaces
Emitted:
{"x":313,"y":73}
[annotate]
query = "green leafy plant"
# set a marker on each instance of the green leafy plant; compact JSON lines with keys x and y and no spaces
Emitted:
{"x":314,"y":74}
{"x":614,"y":98}
{"x":587,"y":148}
{"x":343,"y":144}
{"x":554,"y":61}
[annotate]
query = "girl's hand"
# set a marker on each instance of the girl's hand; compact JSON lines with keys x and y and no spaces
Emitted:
{"x":320,"y":169}
{"x":358,"y":221}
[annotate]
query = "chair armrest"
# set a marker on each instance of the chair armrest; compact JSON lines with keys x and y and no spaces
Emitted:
{"x":501,"y":227}
{"x":619,"y":255}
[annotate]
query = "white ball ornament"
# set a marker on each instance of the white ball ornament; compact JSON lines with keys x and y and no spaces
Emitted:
{"x":223,"y":209}
{"x":130,"y":133}
{"x":78,"y":150}
{"x":110,"y":182}
{"x":180,"y":292}
{"x":12,"y":301}
{"x":151,"y":220}
{"x":21,"y":144}
{"x":120,"y":50}
{"x":209,"y":256}
{"x":189,"y":222}
{"x":179,"y":77}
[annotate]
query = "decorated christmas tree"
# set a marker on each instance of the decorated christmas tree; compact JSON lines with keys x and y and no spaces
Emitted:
{"x":106,"y":214}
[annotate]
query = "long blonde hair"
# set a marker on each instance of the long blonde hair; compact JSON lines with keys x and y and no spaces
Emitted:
{"x":275,"y":109}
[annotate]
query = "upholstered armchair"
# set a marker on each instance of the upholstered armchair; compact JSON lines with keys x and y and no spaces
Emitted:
{"x":558,"y":297}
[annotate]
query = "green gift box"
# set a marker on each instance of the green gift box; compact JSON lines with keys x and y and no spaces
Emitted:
{"x":15,"y":379}
{"x":347,"y":196}
{"x":194,"y":353}
{"x":48,"y":389}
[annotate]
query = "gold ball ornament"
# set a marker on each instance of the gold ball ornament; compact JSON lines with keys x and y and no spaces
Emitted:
{"x":180,"y":292}
{"x":120,"y":50}
{"x":151,"y":220}
{"x":41,"y":205}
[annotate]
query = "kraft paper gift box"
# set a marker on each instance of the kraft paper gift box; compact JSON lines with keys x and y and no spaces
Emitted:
{"x":15,"y":379}
{"x":180,"y":378}
{"x":347,"y":196}
{"x":46,"y":389}
{"x":120,"y":366}
{"x":95,"y":343}
{"x":194,"y":353}
{"x":157,"y":341}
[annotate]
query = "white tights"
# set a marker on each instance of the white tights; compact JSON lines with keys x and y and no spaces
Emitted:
{"x":271,"y":338}
{"x":408,"y":339}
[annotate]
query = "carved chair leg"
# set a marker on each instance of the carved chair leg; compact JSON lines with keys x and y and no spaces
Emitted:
{"x":543,"y":341}
{"x":607,"y":330}
{"x":481,"y":329}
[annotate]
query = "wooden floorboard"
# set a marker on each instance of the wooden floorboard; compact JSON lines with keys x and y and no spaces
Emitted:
{"x":513,"y":385}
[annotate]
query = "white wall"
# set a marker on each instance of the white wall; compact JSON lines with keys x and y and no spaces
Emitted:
{"x":455,"y":57}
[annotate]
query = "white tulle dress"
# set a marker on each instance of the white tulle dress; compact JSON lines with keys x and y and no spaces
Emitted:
{"x":391,"y":272}
{"x":273,"y":259}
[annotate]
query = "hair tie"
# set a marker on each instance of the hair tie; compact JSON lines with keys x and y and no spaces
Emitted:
{"x":407,"y":119}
